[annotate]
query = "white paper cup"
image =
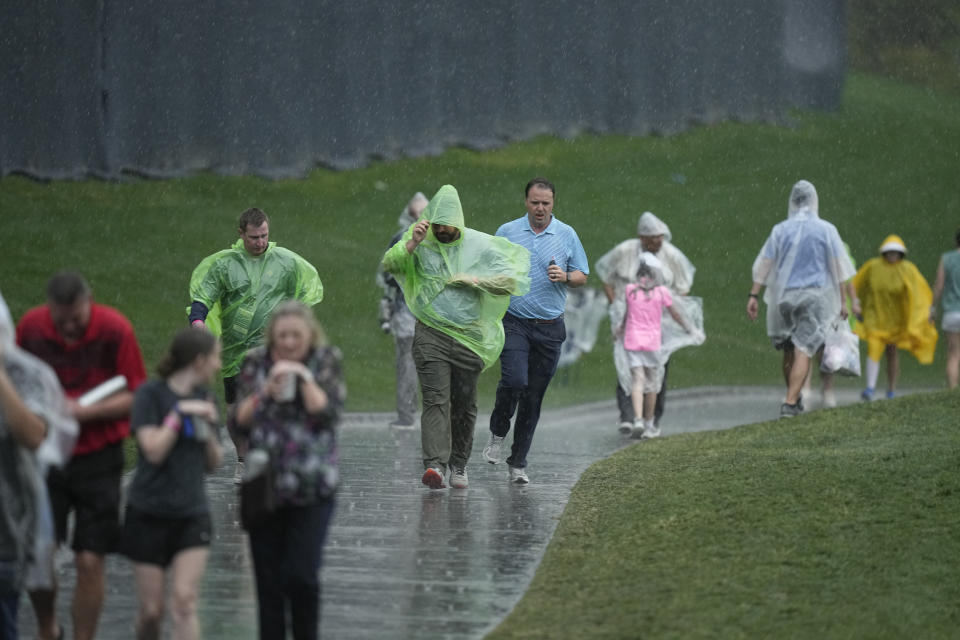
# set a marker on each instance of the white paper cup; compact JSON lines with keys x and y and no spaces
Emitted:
{"x":288,"y":387}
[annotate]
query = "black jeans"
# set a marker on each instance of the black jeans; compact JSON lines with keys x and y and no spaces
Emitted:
{"x":287,"y":553}
{"x":531,"y":351}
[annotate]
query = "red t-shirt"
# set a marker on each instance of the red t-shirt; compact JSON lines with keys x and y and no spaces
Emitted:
{"x":108,"y":348}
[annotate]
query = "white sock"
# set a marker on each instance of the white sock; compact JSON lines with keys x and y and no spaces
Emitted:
{"x":873,"y":370}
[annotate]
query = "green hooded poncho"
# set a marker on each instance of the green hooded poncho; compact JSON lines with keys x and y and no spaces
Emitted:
{"x":461,"y":288}
{"x":241,"y":291}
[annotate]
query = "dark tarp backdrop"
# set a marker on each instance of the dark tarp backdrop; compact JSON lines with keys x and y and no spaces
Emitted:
{"x":164,"y":88}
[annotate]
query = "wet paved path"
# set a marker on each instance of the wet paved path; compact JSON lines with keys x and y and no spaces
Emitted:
{"x":406,"y":562}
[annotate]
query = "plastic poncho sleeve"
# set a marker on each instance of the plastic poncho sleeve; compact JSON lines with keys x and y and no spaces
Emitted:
{"x":461,"y":288}
{"x":241,"y":292}
{"x":896,"y":303}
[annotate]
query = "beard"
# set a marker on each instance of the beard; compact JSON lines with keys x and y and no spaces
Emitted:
{"x":446,"y":236}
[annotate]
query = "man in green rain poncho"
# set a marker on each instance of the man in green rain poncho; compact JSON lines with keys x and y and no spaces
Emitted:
{"x":457,"y":282}
{"x":233,"y":293}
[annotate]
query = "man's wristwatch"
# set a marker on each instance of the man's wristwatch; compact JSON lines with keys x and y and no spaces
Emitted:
{"x":752,"y":295}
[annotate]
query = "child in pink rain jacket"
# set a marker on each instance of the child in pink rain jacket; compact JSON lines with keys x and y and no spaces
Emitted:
{"x":646,"y":300}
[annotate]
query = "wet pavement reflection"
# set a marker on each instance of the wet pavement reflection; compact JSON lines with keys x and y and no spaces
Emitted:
{"x":403,"y":561}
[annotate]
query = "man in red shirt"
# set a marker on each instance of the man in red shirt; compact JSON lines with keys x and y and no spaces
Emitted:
{"x":86,"y":344}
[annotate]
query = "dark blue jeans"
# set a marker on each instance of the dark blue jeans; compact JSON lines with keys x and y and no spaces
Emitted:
{"x":531,"y":351}
{"x":287,"y":553}
{"x":9,"y":603}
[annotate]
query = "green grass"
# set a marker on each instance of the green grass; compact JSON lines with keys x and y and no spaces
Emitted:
{"x":835,"y":524}
{"x":886,"y":162}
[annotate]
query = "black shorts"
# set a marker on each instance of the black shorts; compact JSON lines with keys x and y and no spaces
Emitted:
{"x":150,"y":539}
{"x":89,"y":485}
{"x":230,"y":390}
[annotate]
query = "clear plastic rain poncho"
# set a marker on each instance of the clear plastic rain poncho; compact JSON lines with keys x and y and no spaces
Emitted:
{"x":618,"y":268}
{"x":461,"y":288}
{"x":802,"y":264}
{"x":896,"y":301}
{"x":401,"y":321}
{"x":241,"y":292}
{"x":40,"y":391}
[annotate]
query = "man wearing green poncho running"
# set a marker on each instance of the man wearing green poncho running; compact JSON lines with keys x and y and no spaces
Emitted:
{"x":457,"y":282}
{"x":234,"y":291}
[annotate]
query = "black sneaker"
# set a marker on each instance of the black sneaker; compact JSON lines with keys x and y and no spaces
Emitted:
{"x":790,"y":410}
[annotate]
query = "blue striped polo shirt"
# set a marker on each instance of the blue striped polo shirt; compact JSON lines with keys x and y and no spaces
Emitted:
{"x":558,"y":242}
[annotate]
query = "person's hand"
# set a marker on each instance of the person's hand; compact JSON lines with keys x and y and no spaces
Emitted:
{"x":201,"y":408}
{"x":420,"y":231}
{"x":753,"y":307}
{"x":699,"y":337}
{"x":464,"y":279}
{"x":856,"y":308}
{"x":556,"y":274}
{"x":74,"y":409}
{"x":277,"y":378}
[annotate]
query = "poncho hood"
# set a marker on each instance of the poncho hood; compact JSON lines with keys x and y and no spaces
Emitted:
{"x":651,"y":225}
{"x":445,"y":208}
{"x":404,"y":220}
{"x":893,"y":243}
{"x":803,"y":200}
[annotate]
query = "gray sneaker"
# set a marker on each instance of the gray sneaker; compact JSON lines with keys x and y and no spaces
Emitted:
{"x":491,"y":452}
{"x":458,"y":478}
{"x":790,"y":410}
{"x":518,"y":476}
{"x":625,"y":427}
{"x":651,"y":432}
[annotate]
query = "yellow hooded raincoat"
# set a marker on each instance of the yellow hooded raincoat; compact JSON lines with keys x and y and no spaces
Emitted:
{"x":896,"y":300}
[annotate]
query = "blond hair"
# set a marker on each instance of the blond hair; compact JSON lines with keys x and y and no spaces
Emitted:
{"x":302,"y":311}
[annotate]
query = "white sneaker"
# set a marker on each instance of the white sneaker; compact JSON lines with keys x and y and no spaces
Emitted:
{"x":458,"y":478}
{"x":491,"y":452}
{"x":651,"y":432}
{"x":518,"y":476}
{"x":238,"y":472}
{"x":625,"y":427}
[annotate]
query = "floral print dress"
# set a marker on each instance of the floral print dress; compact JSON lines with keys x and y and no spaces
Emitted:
{"x":302,"y":446}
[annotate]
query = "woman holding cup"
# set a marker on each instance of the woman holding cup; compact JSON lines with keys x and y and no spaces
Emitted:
{"x":291,"y":392}
{"x":167,"y":526}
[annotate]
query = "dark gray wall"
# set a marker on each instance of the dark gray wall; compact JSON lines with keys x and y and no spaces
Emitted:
{"x":167,"y":87}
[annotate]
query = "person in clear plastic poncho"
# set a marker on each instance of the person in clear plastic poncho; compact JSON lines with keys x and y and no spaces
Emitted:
{"x":36,"y":431}
{"x":396,"y":319}
{"x":896,"y":302}
{"x":457,"y":282}
{"x":234,"y":291}
{"x":617,"y":268}
{"x":803,"y":265}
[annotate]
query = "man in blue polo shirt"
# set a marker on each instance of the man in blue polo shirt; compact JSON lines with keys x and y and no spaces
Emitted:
{"x":533,"y":324}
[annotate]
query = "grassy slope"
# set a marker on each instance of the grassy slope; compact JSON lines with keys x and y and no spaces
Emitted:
{"x":837,"y":524}
{"x":886,"y":162}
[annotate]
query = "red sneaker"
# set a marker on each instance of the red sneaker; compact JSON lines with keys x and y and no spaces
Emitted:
{"x":433,"y":478}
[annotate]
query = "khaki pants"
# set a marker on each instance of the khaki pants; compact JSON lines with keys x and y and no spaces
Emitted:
{"x":448,"y":373}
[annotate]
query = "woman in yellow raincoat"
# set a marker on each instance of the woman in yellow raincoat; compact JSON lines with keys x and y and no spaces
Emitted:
{"x":896,"y":300}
